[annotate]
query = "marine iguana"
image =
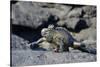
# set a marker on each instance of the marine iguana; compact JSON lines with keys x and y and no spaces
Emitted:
{"x":58,"y":39}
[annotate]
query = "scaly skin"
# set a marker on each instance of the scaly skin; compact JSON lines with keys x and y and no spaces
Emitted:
{"x":59,"y":40}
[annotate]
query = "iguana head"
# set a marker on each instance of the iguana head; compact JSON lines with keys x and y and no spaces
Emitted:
{"x":46,"y":31}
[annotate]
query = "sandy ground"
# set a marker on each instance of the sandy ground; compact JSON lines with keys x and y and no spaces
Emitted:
{"x":32,"y":57}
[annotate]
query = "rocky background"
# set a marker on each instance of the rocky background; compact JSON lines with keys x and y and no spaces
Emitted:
{"x":27,"y":20}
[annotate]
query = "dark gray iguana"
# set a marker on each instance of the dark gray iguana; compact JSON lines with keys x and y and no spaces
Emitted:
{"x":58,"y":39}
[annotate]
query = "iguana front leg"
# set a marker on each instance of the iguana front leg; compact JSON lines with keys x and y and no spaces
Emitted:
{"x":59,"y":45}
{"x":36,"y":43}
